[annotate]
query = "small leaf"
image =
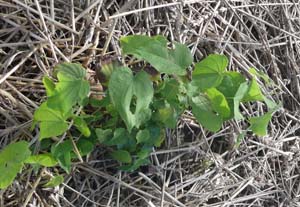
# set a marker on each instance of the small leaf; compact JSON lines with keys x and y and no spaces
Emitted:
{"x":230,"y":84}
{"x":209,"y":72}
{"x":122,"y":156}
{"x":12,"y":159}
{"x":168,"y":116}
{"x":260,"y":74}
{"x":84,"y":146}
{"x":52,"y":122}
{"x":259,"y":124}
{"x":103,"y":135}
{"x":155,"y":51}
{"x":123,"y":88}
{"x":81,"y":125}
{"x":49,"y":85}
{"x":170,"y":90}
{"x":254,"y":93}
{"x":62,"y":153}
{"x":237,"y":99}
{"x":143,"y":136}
{"x":46,"y":160}
{"x":72,"y":87}
{"x":201,"y":108}
{"x":55,"y":181}
{"x":219,"y":102}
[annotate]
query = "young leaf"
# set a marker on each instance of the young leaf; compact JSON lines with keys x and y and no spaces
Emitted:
{"x":209,"y":72}
{"x":201,"y":108}
{"x":143,"y":136}
{"x":103,"y":134}
{"x":49,"y":85}
{"x":259,"y":124}
{"x":71,"y":88}
{"x":46,"y":160}
{"x":237,"y":99}
{"x":154,"y":51}
{"x":52,"y":122}
{"x":254,"y":93}
{"x":62,"y":153}
{"x":219,"y":102}
{"x":121,"y":156}
{"x":12,"y":159}
{"x":84,"y":146}
{"x":231,"y":83}
{"x":82,"y":126}
{"x":123,"y":87}
{"x":55,"y":181}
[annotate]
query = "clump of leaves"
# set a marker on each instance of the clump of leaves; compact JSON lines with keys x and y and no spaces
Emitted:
{"x":136,"y":108}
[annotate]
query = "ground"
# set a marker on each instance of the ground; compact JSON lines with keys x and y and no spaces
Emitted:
{"x":193,"y":167}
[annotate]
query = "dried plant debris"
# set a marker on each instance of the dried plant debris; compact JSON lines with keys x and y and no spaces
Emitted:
{"x":193,"y":167}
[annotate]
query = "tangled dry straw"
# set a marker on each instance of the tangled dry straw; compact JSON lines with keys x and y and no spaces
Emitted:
{"x":194,"y":167}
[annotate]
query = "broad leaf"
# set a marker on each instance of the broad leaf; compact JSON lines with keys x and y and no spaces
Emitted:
{"x":62,"y":153}
{"x":103,"y":134}
{"x":259,"y":124}
{"x":209,"y":72}
{"x":49,"y":85}
{"x":254,"y":93}
{"x":239,"y":95}
{"x":12,"y":159}
{"x":219,"y":102}
{"x":124,"y":88}
{"x":52,"y":122}
{"x":55,"y":181}
{"x":231,"y":83}
{"x":201,"y":108}
{"x":84,"y":146}
{"x":154,"y":50}
{"x":72,"y":87}
{"x":121,"y":156}
{"x":143,"y":136}
{"x":81,"y":125}
{"x":46,"y":160}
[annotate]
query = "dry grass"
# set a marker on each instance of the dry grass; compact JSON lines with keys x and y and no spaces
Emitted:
{"x":194,"y":167}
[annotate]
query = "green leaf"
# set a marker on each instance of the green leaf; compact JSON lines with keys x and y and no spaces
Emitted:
{"x":49,"y":85}
{"x":168,"y":116}
{"x":124,"y":88}
{"x":143,"y":136}
{"x":122,"y":156}
{"x":260,"y":74}
{"x":230,"y":84}
{"x":52,"y":122}
{"x":84,"y":146}
{"x":55,"y":181}
{"x":72,"y":87}
{"x":259,"y":124}
{"x":209,"y":72}
{"x":237,"y":99}
{"x":46,"y":160}
{"x":154,"y":51}
{"x":12,"y":159}
{"x":201,"y":108}
{"x":62,"y":153}
{"x":219,"y":102}
{"x":254,"y":93}
{"x":103,"y":134}
{"x":170,"y":90}
{"x":81,"y":125}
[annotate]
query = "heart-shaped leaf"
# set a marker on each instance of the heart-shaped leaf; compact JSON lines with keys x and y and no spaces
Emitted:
{"x":124,"y":89}
{"x":71,"y":88}
{"x":209,"y":72}
{"x":154,"y":50}
{"x":12,"y":159}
